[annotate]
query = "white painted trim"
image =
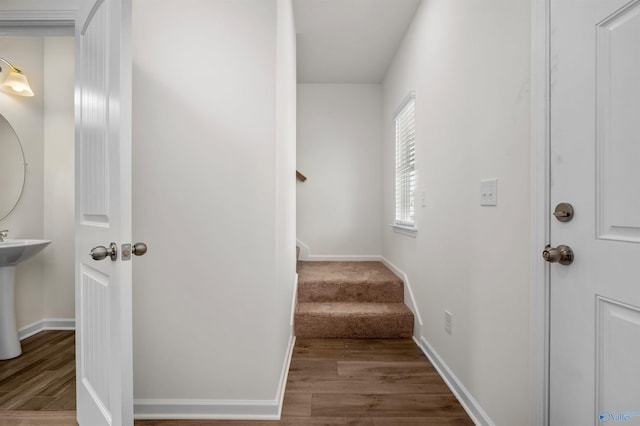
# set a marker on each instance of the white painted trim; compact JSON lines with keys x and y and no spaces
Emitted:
{"x":344,"y":258}
{"x":411,"y":96}
{"x":35,"y":19}
{"x":46,"y":324}
{"x":40,"y":17}
{"x":212,"y":409}
{"x":306,"y":256}
{"x":35,"y":30}
{"x":540,"y":209}
{"x":294,"y":301}
{"x":410,"y":231}
{"x":284,"y":374}
{"x":304,"y":250}
{"x":409,"y":299}
{"x":468,"y":402}
{"x":205,"y":409}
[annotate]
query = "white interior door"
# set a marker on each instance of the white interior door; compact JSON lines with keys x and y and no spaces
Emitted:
{"x":103,"y":212}
{"x":595,"y":166}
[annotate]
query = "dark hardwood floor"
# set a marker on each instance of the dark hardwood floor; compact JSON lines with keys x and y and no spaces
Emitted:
{"x":38,"y":387}
{"x":331,"y":382}
{"x":357,"y":383}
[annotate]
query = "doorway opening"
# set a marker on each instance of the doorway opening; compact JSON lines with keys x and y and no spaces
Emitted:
{"x":42,"y":379}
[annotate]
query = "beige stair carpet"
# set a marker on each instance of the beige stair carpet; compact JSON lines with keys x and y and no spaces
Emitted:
{"x":350,"y":300}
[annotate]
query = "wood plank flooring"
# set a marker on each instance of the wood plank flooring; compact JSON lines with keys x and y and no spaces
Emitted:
{"x":39,"y":387}
{"x":357,"y":383}
{"x":332,"y":382}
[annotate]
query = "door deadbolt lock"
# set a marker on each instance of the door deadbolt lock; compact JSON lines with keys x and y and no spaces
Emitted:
{"x":561,"y":254}
{"x":101,"y":252}
{"x":564,"y":212}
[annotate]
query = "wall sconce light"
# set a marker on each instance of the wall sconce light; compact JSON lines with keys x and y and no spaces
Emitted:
{"x":16,"y":83}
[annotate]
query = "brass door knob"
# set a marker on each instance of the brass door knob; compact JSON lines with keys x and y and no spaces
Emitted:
{"x":561,"y":254}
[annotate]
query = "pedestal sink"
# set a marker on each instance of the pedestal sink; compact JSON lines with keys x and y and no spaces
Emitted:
{"x":12,"y":252}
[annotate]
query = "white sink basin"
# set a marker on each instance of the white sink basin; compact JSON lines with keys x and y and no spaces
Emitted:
{"x":14,"y":251}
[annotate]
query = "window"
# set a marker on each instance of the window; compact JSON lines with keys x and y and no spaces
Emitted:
{"x":405,"y":124}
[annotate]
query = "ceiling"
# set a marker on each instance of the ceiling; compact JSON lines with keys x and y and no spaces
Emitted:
{"x":349,"y":41}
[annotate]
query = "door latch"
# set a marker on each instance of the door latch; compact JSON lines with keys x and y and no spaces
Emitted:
{"x":138,"y":249}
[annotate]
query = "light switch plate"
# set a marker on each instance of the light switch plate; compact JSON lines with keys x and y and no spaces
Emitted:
{"x":489,"y":192}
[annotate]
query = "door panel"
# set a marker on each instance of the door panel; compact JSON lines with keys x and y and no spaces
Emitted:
{"x":617,"y":118}
{"x":595,"y":154}
{"x":103,"y":213}
{"x":95,"y":335}
{"x":617,"y":371}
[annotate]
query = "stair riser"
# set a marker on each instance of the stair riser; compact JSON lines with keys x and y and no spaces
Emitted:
{"x":346,"y":292}
{"x":348,"y":327}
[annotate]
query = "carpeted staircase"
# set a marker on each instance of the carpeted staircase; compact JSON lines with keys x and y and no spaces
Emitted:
{"x":351,"y":300}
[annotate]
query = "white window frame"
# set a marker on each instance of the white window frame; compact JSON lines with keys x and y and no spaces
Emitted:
{"x":405,"y":167}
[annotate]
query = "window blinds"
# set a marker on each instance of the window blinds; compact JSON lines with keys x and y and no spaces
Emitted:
{"x":405,"y":163}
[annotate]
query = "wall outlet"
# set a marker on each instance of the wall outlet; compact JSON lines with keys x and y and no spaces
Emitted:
{"x":448,"y":322}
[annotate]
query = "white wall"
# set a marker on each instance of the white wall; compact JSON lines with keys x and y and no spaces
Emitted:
{"x":469,"y":64}
{"x":285,"y":165}
{"x":44,"y":125}
{"x":25,"y":114}
{"x":58,"y":288}
{"x":208,"y":139}
{"x":339,"y":148}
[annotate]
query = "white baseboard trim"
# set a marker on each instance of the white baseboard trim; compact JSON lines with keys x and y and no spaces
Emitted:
{"x":409,"y":299}
{"x":204,"y":409}
{"x":46,"y":324}
{"x":468,"y":402}
{"x":306,"y":256}
{"x":294,"y":301}
{"x":304,"y":250}
{"x":190,"y":409}
{"x":284,"y":375}
{"x":343,"y":258}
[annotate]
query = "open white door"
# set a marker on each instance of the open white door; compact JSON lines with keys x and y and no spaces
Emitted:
{"x":595,"y":166}
{"x":103,"y":213}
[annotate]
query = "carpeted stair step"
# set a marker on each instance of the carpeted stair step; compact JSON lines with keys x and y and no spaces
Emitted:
{"x":348,"y":282}
{"x":361,"y":300}
{"x":353,"y":320}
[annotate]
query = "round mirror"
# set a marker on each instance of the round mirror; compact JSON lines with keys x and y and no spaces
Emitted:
{"x":12,"y":168}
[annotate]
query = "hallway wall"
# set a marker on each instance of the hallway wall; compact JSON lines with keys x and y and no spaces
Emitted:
{"x":213,"y":149}
{"x":339,"y":143}
{"x":468,"y":62}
